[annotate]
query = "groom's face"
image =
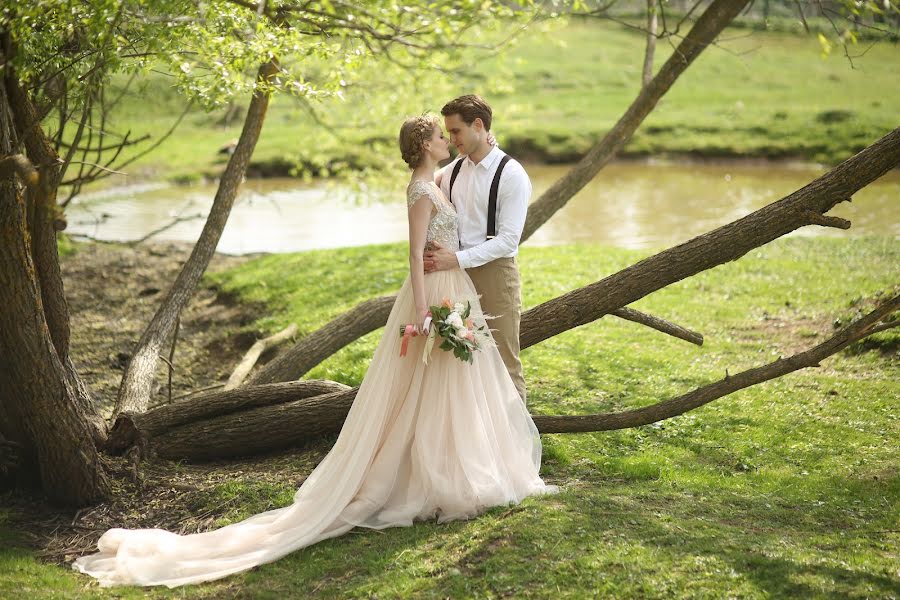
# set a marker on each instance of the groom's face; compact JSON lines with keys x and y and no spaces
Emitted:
{"x":465,"y":137}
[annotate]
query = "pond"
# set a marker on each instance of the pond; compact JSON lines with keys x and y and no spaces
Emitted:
{"x":629,"y":204}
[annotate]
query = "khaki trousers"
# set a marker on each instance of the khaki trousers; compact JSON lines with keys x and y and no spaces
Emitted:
{"x":497,"y":282}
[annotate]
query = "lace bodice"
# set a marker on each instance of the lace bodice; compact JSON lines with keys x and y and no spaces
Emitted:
{"x":442,"y":228}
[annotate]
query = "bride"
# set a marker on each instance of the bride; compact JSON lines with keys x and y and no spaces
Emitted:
{"x":444,"y":440}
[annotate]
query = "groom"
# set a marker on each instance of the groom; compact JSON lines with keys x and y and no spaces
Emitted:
{"x":490,"y":192}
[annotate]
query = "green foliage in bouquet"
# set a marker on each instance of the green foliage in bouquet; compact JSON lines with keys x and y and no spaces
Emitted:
{"x":458,"y":330}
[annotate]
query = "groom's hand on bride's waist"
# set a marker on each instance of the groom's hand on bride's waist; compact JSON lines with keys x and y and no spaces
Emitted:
{"x":438,"y":258}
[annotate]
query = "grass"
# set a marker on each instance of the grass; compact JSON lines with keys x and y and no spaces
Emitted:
{"x":786,"y":489}
{"x":758,"y":94}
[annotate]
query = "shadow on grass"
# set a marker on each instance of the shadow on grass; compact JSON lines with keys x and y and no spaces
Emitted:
{"x":631,"y":538}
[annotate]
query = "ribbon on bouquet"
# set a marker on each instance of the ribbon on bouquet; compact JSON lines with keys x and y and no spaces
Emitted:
{"x":410,"y":331}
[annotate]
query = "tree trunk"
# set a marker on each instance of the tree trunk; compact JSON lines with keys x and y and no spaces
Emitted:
{"x":710,"y":24}
{"x":647,"y":75}
{"x":46,"y":414}
{"x":40,"y":411}
{"x":43,"y":217}
{"x":322,"y":343}
{"x":290,"y":423}
{"x":134,"y":392}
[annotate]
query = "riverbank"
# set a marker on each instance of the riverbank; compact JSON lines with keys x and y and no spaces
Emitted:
{"x":759,"y":95}
{"x":786,"y":489}
{"x":630,"y":204}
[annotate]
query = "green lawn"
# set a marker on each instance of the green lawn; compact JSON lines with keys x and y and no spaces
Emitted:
{"x":758,"y":94}
{"x":787,"y":489}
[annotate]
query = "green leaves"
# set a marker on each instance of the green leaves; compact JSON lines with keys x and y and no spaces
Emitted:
{"x":327,"y":50}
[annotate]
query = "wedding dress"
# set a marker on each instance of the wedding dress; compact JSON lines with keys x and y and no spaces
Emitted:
{"x":447,"y":440}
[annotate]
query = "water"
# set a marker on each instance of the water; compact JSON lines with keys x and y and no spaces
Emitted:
{"x":629,"y":205}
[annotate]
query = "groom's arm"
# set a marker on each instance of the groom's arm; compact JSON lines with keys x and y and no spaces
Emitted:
{"x":512,"y":207}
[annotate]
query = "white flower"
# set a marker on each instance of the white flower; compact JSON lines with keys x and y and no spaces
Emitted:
{"x":455,"y":320}
{"x":461,"y":332}
{"x":459,"y":307}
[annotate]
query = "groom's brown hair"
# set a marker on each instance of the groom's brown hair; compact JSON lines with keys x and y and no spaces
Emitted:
{"x":469,"y":108}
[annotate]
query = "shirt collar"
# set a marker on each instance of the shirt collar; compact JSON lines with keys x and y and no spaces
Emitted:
{"x":488,"y":161}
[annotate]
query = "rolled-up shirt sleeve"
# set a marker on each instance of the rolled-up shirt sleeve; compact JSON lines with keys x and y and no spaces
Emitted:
{"x":513,"y":197}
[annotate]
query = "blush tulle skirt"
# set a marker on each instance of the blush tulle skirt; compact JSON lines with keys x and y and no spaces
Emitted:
{"x":445,"y":440}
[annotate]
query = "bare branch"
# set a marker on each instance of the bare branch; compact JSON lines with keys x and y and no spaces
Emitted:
{"x":101,"y":167}
{"x":165,"y":136}
{"x":816,"y":218}
{"x":243,"y":369}
{"x":661,"y":325}
{"x":730,"y":384}
{"x":165,"y":227}
{"x":884,"y":327}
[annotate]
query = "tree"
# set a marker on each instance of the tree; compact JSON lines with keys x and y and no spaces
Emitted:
{"x":56,"y":54}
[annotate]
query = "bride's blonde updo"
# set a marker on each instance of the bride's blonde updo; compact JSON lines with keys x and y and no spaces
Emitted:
{"x":415,"y":132}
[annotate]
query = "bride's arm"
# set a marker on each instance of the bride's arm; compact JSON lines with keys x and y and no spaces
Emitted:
{"x":419,"y":215}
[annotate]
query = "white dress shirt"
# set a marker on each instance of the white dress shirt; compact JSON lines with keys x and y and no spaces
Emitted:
{"x":470,"y":197}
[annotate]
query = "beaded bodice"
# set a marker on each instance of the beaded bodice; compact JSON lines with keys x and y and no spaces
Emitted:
{"x":442,"y":227}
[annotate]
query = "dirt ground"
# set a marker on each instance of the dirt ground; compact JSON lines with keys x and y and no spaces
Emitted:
{"x":113,"y":292}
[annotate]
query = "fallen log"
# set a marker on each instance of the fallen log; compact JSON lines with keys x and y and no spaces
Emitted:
{"x":368,"y":316}
{"x":293,"y":423}
{"x":130,"y":428}
{"x":263,"y":429}
{"x":673,"y":407}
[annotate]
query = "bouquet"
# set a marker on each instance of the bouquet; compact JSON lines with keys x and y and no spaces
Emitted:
{"x":451,"y":321}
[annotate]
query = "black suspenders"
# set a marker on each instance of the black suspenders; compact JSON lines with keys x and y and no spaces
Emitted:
{"x":456,"y":169}
{"x":492,"y":196}
{"x":492,"y":199}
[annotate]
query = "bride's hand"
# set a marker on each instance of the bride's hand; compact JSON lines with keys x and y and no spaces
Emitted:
{"x":423,"y":314}
{"x":491,"y":140}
